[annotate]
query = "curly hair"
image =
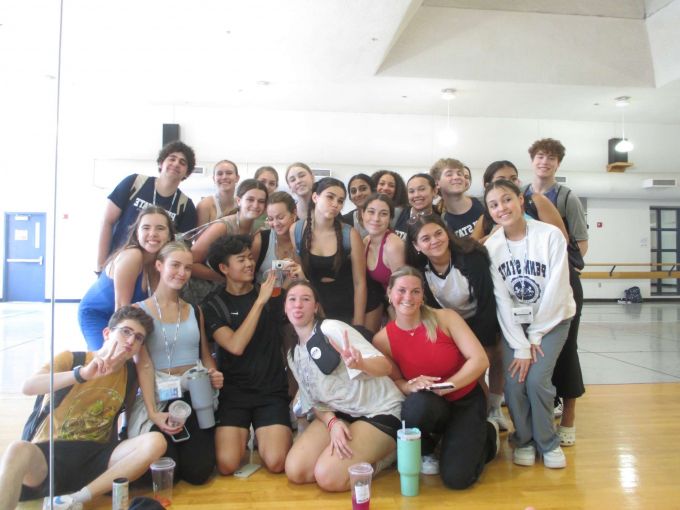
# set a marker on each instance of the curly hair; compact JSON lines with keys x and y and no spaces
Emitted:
{"x":442,"y":164}
{"x":133,"y":313}
{"x":549,"y":146}
{"x":178,"y":146}
{"x":400,"y":196}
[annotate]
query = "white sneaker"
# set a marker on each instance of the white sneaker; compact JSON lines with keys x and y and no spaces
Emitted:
{"x":62,"y":503}
{"x":496,"y":415}
{"x":524,"y":456}
{"x":430,"y":465}
{"x":555,"y":459}
{"x":559,"y":408}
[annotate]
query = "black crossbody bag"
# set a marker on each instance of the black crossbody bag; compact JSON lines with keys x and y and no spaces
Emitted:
{"x":322,"y":352}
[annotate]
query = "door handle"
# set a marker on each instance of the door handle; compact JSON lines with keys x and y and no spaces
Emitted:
{"x":39,"y":260}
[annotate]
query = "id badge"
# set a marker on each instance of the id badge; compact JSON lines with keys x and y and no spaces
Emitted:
{"x":168,"y":388}
{"x":522,"y":314}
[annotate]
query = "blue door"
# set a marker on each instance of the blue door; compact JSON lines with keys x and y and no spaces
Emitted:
{"x":24,"y":257}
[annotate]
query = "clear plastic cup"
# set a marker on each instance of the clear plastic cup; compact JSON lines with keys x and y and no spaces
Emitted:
{"x":162,"y":472}
{"x":179,"y":412}
{"x":360,"y":476}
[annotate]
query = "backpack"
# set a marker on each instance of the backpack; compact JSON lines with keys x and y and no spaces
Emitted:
{"x":573,"y":251}
{"x":140,"y":180}
{"x":40,"y":411}
{"x":632,"y":295}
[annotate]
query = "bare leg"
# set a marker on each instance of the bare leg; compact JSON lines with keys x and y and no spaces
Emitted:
{"x":230,"y":446}
{"x":368,"y":445}
{"x":273,"y":443}
{"x":568,"y":412}
{"x":23,"y":462}
{"x":305,"y":452}
{"x":130,"y":459}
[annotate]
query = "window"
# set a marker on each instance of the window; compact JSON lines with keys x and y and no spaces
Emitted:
{"x":665,"y":247}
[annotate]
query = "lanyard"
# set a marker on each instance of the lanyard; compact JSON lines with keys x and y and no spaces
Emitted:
{"x":174,"y":197}
{"x":169,"y":349}
{"x":522,"y":276}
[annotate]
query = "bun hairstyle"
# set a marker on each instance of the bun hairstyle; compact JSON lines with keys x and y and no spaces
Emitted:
{"x":319,"y":187}
{"x":427,"y":315}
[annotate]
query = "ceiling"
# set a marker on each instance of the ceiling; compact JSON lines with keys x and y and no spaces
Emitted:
{"x":548,"y":59}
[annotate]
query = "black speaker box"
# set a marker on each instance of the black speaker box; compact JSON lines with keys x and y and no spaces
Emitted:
{"x":614,"y":155}
{"x":170,"y":133}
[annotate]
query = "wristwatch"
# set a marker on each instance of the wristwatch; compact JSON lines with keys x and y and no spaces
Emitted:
{"x":76,"y":374}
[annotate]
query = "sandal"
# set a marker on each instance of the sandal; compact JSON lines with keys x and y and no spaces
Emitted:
{"x":567,"y":435}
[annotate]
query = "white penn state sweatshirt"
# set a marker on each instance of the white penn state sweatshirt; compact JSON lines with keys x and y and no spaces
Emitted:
{"x":532,"y":272}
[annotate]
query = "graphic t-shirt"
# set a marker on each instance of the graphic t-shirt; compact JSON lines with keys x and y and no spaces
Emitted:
{"x":182,"y":211}
{"x":463,"y":224}
{"x":89,"y":411}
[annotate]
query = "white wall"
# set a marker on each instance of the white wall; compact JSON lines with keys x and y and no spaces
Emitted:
{"x":94,"y":141}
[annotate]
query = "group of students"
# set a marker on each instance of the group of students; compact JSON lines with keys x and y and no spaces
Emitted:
{"x":419,"y":285}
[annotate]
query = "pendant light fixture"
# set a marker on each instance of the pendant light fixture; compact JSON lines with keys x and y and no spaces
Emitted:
{"x":624,"y":145}
{"x":448,"y":136}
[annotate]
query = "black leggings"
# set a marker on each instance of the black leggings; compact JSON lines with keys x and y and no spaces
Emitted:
{"x":195,"y":457}
{"x":468,"y":441}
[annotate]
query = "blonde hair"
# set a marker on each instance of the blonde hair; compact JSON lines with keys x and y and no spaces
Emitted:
{"x":427,"y":315}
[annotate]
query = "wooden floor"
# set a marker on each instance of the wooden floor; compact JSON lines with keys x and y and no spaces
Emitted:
{"x":627,"y":456}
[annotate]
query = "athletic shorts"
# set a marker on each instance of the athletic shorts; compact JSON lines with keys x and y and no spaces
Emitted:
{"x":261,"y":411}
{"x":383,"y":422}
{"x":76,"y":463}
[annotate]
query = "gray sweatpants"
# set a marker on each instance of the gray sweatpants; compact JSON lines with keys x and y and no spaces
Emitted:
{"x":531,"y":402}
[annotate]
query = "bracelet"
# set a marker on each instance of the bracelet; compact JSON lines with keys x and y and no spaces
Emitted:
{"x":76,"y":374}
{"x":331,"y":422}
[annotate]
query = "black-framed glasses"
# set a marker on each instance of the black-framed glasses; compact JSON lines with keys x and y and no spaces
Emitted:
{"x":129,"y":332}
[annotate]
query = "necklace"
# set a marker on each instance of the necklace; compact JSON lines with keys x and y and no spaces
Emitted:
{"x":440,"y":273}
{"x":169,"y":349}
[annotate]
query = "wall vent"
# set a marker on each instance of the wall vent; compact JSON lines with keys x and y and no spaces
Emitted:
{"x":659,"y":183}
{"x":318,"y":172}
{"x":561,"y":179}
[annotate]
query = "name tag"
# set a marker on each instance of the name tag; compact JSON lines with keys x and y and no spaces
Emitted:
{"x":169,"y":388}
{"x":522,"y":315}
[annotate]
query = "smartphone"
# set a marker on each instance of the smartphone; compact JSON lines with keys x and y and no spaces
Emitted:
{"x":182,"y":435}
{"x":441,"y":386}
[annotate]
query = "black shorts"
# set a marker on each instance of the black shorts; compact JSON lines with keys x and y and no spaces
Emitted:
{"x":76,"y":463}
{"x":375,"y":294}
{"x":383,"y":422}
{"x":261,"y":411}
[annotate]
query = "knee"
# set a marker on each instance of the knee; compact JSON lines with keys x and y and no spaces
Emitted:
{"x":18,"y":453}
{"x":274,"y":462}
{"x":414,"y":408}
{"x":297,"y":472}
{"x":227,"y":464}
{"x":329,"y":478}
{"x":155,"y":445}
{"x":457,"y":477}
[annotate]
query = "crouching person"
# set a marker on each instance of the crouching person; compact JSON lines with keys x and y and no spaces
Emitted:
{"x":88,"y":455}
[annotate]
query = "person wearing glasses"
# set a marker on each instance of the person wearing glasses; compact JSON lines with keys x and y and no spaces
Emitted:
{"x":177,"y":342}
{"x":88,"y":455}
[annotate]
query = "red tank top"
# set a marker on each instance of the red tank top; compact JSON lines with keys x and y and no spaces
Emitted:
{"x":416,"y":355}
